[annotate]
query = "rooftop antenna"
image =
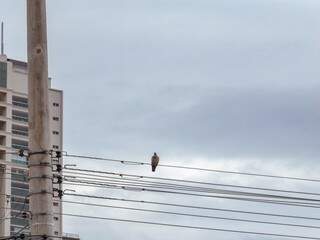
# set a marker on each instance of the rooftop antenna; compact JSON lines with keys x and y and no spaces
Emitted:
{"x":2,"y":43}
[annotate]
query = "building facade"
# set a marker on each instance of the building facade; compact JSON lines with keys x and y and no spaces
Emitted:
{"x":14,"y":187}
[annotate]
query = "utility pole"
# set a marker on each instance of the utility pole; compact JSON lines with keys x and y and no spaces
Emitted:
{"x":40,"y":166}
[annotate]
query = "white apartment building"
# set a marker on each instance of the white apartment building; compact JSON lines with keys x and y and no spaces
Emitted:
{"x":14,"y":136}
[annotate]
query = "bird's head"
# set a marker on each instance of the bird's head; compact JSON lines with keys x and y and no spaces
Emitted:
{"x":155,"y":154}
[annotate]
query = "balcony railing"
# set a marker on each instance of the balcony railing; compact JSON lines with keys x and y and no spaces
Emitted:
{"x":18,"y":146}
{"x":20,"y":104}
{"x":20,"y":132}
{"x":19,"y":161}
{"x":71,"y":235}
{"x":19,"y":118}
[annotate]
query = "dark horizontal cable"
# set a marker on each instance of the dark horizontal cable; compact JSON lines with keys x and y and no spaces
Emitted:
{"x":177,"y":187}
{"x":119,"y":174}
{"x":277,"y":202}
{"x":217,"y":191}
{"x":192,"y":227}
{"x":193,"y":207}
{"x":194,"y":215}
{"x":187,"y":181}
{"x":193,"y":168}
{"x":139,"y":182}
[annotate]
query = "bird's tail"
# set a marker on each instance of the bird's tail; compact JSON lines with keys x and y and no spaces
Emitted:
{"x":153,"y":168}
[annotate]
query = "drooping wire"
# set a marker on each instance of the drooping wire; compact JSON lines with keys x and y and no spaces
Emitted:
{"x":191,"y":227}
{"x":145,"y":189}
{"x":193,"y":215}
{"x":85,"y":172}
{"x":276,"y":202}
{"x":193,"y":207}
{"x":66,"y":154}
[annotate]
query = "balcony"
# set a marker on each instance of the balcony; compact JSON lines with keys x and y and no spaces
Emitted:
{"x":3,"y":111}
{"x":20,"y":116}
{"x":3,"y":97}
{"x":3,"y":126}
{"x":20,"y":133}
{"x":19,"y":130}
{"x":2,"y":155}
{"x":2,"y":140}
{"x":19,"y":144}
{"x":19,"y":160}
{"x":20,"y":102}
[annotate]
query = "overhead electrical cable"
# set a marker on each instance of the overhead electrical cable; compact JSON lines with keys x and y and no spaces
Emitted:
{"x":142,"y":187}
{"x":85,"y":172}
{"x":192,"y":207}
{"x":66,"y":154}
{"x":192,"y":227}
{"x":277,"y":202}
{"x":193,"y":215}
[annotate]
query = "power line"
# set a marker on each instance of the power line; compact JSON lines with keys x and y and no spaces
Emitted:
{"x":119,"y":174}
{"x":140,"y":182}
{"x":191,"y":168}
{"x":194,"y":215}
{"x":191,"y":227}
{"x":277,"y":202}
{"x":180,"y":188}
{"x":139,"y":177}
{"x":285,"y":203}
{"x":144,"y":189}
{"x":194,"y":207}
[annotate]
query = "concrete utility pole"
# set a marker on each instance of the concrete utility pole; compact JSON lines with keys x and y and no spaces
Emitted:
{"x":40,"y":166}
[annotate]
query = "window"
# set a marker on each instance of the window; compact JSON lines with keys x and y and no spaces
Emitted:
{"x":19,"y":200}
{"x":20,"y":116}
{"x":56,"y":104}
{"x":55,"y":118}
{"x":56,"y":233}
{"x":2,"y":140}
{"x":55,"y":204}
{"x":55,"y":132}
{"x":20,"y":185}
{"x":3,"y":96}
{"x":3,"y":74}
{"x":55,"y":147}
{"x":19,"y":192}
{"x":19,"y":144}
{"x":19,"y":222}
{"x":19,"y":160}
{"x":3,"y":111}
{"x":56,"y":218}
{"x":18,"y":177}
{"x":19,"y":130}
{"x":19,"y":206}
{"x":20,"y":101}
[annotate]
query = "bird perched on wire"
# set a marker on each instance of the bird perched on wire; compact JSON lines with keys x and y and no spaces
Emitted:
{"x":154,"y":161}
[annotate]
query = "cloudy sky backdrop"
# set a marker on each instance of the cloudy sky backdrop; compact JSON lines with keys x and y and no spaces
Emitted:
{"x":230,"y":84}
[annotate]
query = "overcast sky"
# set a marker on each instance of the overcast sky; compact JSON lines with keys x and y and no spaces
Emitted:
{"x":231,"y":84}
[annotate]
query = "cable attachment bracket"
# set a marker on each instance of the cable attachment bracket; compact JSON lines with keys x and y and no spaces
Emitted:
{"x":59,"y":179}
{"x":30,"y":153}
